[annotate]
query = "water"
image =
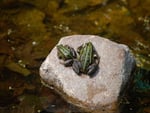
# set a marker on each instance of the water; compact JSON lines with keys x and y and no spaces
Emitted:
{"x":30,"y":29}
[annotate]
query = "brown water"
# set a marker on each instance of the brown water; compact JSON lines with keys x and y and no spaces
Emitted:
{"x":30,"y":29}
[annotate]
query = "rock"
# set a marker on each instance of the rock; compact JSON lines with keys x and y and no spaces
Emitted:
{"x":101,"y":93}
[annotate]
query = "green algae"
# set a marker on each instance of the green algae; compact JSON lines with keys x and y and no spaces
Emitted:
{"x":141,"y":80}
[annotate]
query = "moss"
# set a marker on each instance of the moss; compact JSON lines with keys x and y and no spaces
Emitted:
{"x":141,"y":80}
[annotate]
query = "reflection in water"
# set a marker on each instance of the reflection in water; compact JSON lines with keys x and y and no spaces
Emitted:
{"x":30,"y":29}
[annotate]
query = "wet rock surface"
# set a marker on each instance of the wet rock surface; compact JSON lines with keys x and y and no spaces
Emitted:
{"x":99,"y":94}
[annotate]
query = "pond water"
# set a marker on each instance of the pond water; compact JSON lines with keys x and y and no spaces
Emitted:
{"x":30,"y":29}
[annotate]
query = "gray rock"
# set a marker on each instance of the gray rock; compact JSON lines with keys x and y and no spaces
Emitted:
{"x":99,"y":94}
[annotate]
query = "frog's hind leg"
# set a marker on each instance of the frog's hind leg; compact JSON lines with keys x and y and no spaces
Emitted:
{"x":76,"y":66}
{"x":92,"y":69}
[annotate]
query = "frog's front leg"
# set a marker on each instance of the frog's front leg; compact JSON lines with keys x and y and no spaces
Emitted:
{"x":67,"y":63}
{"x":76,"y":66}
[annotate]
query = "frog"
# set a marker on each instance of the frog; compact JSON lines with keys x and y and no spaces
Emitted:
{"x":66,"y":54}
{"x":87,"y":61}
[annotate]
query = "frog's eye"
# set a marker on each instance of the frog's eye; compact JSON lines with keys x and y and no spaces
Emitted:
{"x":59,"y":55}
{"x":95,"y":56}
{"x":79,"y":49}
{"x":66,"y":46}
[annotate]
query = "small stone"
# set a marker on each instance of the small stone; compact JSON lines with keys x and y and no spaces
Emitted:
{"x":98,"y":94}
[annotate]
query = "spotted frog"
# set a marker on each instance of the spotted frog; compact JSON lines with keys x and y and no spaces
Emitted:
{"x":87,"y":61}
{"x":67,"y":54}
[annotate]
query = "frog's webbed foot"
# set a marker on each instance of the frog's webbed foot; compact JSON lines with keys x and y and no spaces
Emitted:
{"x":76,"y":66}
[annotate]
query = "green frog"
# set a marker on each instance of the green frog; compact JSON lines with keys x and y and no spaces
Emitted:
{"x":67,"y":54}
{"x":87,"y":61}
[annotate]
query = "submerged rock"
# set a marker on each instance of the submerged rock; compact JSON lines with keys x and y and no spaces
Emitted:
{"x":101,"y":93}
